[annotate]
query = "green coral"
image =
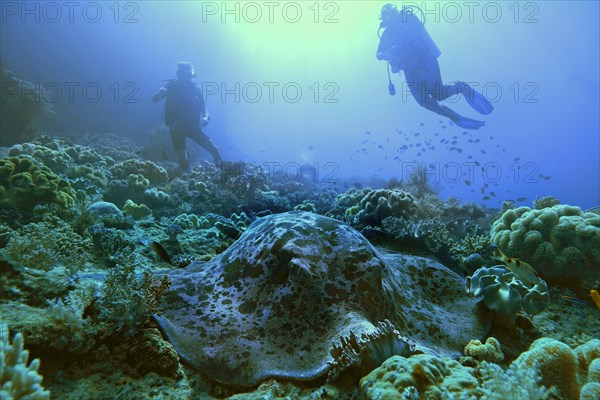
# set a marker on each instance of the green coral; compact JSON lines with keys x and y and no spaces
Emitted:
{"x":25,"y":184}
{"x":556,"y":363}
{"x":586,"y":354}
{"x":591,"y":390}
{"x":136,"y":211}
{"x":18,"y":378}
{"x":192,"y":221}
{"x":490,"y":351}
{"x":45,"y":244}
{"x":128,"y":300}
{"x":379,"y":204}
{"x":420,"y":375}
{"x":561,"y":242}
{"x":156,"y":175}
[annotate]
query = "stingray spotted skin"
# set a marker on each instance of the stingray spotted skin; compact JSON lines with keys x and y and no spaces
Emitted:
{"x":271,"y":304}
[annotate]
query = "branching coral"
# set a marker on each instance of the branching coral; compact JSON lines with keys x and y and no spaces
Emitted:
{"x":515,"y":383}
{"x":127,"y":300}
{"x":42,"y":245}
{"x":18,"y":380}
{"x":68,"y":312}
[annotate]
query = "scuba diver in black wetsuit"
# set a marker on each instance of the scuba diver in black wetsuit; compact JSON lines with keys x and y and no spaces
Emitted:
{"x":186,"y":114}
{"x":406,"y":46}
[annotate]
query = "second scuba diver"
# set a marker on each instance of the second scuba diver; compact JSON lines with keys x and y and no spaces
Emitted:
{"x":406,"y":46}
{"x":185,"y":114}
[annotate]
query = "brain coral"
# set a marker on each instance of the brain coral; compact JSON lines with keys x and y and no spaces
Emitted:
{"x":24,"y":184}
{"x":379,"y":204}
{"x":272,"y":304}
{"x":557,"y":365}
{"x":422,"y":373}
{"x":560,"y":242}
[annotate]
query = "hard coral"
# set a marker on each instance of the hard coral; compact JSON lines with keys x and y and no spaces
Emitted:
{"x":18,"y":380}
{"x":490,"y":351}
{"x":43,"y":245}
{"x":591,"y":390}
{"x":136,"y":211}
{"x":156,"y":175}
{"x":427,"y":375}
{"x":127,"y":300}
{"x":561,"y":242}
{"x":379,"y":204}
{"x":557,"y":366}
{"x":25,"y":184}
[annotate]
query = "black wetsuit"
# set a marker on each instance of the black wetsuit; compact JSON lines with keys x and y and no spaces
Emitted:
{"x":184,"y":108}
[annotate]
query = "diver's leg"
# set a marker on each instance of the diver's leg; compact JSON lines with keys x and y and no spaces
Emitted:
{"x":178,"y":138}
{"x":430,"y":69}
{"x":426,"y":89}
{"x":475,"y":99}
{"x":427,"y":73}
{"x":203,"y":140}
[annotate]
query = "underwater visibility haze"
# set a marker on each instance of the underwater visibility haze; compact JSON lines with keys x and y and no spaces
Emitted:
{"x":300,"y":199}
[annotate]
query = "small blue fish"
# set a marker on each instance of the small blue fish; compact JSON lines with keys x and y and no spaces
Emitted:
{"x":574,"y":300}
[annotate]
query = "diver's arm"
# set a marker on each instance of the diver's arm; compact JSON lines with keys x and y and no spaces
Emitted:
{"x":204,"y":115}
{"x":159,"y":95}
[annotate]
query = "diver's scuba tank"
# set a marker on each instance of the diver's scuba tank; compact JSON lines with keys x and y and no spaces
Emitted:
{"x":411,"y":40}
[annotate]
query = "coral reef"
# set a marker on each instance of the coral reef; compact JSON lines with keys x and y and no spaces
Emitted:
{"x":18,"y":380}
{"x":514,"y":383}
{"x":48,"y":243}
{"x":561,"y":242}
{"x":490,"y":351}
{"x":379,"y":204}
{"x":127,"y":301}
{"x":295,"y":305}
{"x":101,"y":209}
{"x":24,"y":184}
{"x":591,"y":390}
{"x":142,"y":170}
{"x":152,"y":353}
{"x":421,"y":376}
{"x":557,"y":366}
{"x":136,"y":211}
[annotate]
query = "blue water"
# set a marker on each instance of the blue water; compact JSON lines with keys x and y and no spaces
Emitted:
{"x":329,"y":108}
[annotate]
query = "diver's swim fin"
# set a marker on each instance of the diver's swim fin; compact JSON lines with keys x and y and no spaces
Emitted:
{"x":475,"y":99}
{"x":467,"y":123}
